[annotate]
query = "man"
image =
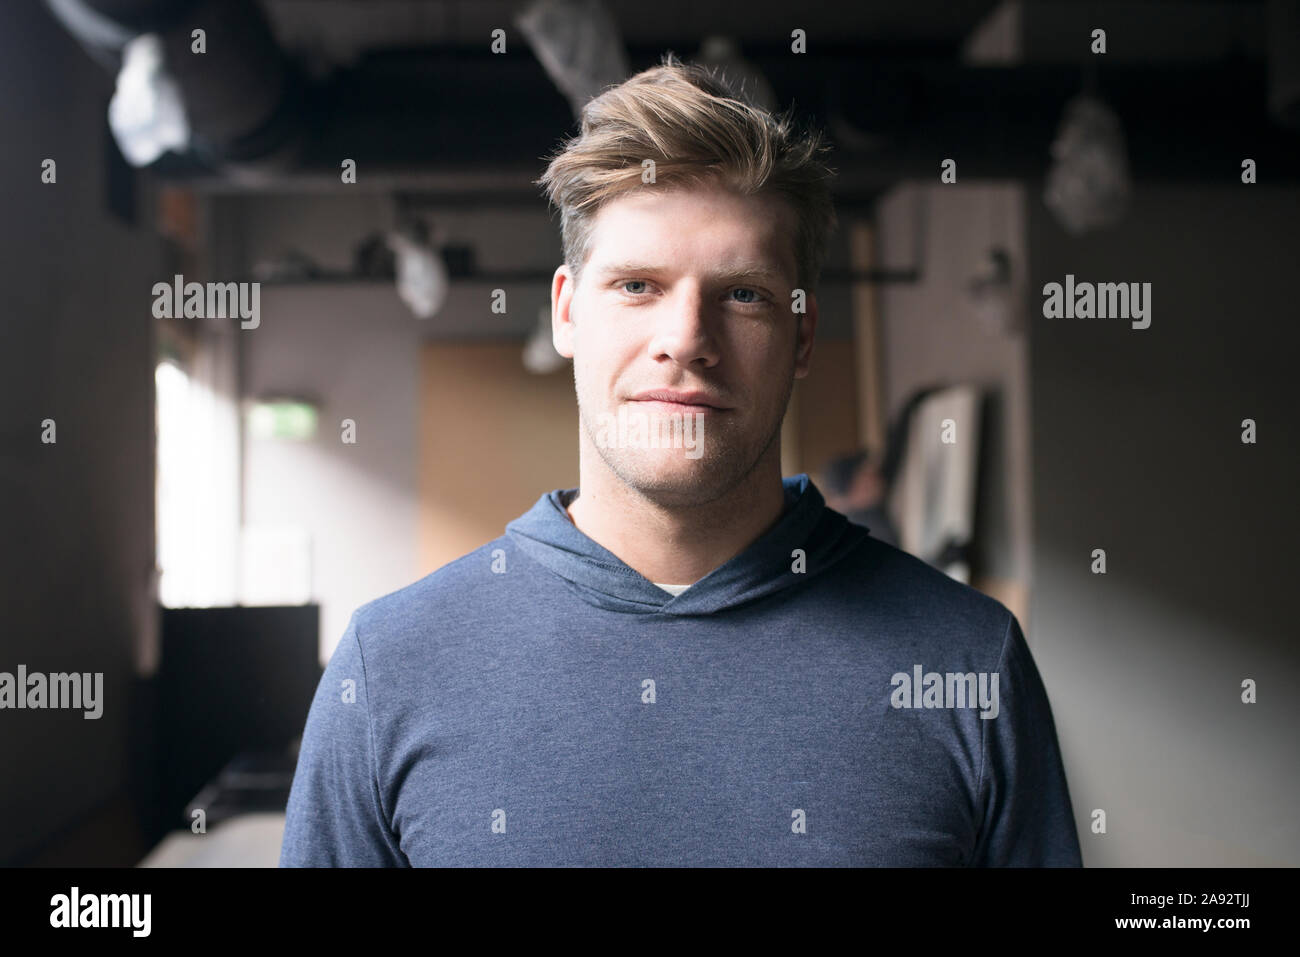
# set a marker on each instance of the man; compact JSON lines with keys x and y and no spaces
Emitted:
{"x":687,"y":660}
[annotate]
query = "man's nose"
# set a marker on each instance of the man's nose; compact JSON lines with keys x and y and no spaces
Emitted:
{"x":684,"y":329}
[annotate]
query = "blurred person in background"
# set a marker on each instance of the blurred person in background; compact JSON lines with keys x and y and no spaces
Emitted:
{"x":855,"y":487}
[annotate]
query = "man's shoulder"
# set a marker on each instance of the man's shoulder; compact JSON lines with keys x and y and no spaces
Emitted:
{"x":438,"y":597}
{"x":911,"y":589}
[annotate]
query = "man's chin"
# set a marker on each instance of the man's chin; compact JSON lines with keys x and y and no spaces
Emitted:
{"x":667,"y":477}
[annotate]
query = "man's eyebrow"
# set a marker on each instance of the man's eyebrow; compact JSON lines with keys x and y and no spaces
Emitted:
{"x":736,"y":271}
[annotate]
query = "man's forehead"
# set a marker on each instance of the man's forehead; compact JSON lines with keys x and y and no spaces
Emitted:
{"x":764,"y":251}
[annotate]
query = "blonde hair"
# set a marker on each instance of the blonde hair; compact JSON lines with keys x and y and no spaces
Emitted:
{"x":698,"y":130}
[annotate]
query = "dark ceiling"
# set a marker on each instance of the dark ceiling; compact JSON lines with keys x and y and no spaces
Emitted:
{"x":411,"y":91}
{"x":344,"y":27}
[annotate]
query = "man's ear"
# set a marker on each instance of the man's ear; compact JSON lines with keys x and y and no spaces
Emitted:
{"x":804,"y":333}
{"x":562,"y":288}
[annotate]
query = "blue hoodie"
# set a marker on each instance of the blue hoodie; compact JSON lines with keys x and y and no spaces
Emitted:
{"x":821,"y":699}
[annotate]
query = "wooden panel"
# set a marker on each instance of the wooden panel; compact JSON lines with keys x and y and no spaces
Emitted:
{"x":870,"y":357}
{"x":827,"y":409}
{"x":493,"y":438}
{"x":1010,"y":591}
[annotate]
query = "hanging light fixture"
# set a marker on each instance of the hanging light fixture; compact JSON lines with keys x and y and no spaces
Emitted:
{"x":422,"y":279}
{"x":1088,"y":185}
{"x":578,"y":45}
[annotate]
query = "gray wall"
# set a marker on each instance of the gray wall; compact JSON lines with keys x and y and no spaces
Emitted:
{"x":357,"y":354}
{"x":78,"y":515}
{"x":1137,"y":450}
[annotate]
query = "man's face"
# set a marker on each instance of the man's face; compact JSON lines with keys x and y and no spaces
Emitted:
{"x":685,"y":291}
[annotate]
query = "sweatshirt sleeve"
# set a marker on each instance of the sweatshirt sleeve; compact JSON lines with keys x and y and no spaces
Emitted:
{"x":335,"y":817}
{"x":1028,"y":820}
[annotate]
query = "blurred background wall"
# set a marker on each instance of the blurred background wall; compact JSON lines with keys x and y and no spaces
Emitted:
{"x":1137,"y":450}
{"x":78,"y":515}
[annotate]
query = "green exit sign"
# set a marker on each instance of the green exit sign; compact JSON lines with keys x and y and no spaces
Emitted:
{"x":282,"y":419}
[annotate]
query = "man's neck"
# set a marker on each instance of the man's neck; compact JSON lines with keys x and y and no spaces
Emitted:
{"x":677,"y":545}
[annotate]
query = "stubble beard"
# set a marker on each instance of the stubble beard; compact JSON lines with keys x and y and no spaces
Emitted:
{"x":668,"y":478}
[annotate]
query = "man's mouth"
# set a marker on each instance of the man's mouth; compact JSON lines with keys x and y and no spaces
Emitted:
{"x":671,"y":400}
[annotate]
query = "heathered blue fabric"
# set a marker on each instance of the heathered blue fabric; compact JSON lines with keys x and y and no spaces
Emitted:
{"x":501,"y":716}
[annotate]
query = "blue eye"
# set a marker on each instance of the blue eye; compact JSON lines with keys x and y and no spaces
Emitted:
{"x":745,"y":289}
{"x":632,"y":282}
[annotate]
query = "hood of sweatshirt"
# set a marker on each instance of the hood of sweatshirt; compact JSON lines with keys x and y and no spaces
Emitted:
{"x":770,"y":564}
